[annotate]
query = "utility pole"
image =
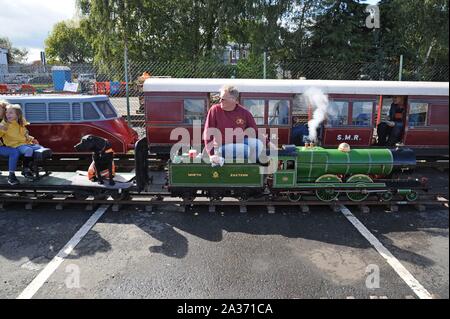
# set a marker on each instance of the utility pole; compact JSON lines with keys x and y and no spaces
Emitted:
{"x":265,"y":65}
{"x":400,"y":71}
{"x":125,"y":53}
{"x":127,"y":89}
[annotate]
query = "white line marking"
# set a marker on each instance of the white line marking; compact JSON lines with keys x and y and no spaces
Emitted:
{"x":418,"y":289}
{"x":51,"y":267}
{"x":442,"y":199}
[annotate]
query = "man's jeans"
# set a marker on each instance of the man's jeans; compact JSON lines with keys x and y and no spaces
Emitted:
{"x":251,"y":149}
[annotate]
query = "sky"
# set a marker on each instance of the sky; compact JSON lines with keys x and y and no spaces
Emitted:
{"x":27,"y":23}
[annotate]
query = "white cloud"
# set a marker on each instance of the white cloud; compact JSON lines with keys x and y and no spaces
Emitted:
{"x":27,"y":23}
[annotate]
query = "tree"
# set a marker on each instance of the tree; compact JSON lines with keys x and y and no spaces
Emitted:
{"x":340,"y":32}
{"x":296,"y":36}
{"x":68,"y":44}
{"x":417,"y":29}
{"x":15,"y":55}
{"x":182,"y":30}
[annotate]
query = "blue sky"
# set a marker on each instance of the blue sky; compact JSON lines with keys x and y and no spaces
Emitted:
{"x":27,"y":23}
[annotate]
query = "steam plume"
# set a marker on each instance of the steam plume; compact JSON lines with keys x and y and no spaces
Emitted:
{"x":320,"y":104}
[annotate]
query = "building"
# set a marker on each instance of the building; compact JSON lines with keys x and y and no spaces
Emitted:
{"x":233,"y":53}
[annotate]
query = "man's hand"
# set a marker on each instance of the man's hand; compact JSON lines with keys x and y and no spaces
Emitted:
{"x":390,"y":123}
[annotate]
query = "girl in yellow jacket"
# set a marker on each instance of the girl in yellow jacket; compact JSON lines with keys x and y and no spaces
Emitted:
{"x":14,"y":134}
{"x":10,"y":153}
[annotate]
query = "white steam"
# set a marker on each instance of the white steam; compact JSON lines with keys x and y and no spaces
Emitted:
{"x":318,"y":101}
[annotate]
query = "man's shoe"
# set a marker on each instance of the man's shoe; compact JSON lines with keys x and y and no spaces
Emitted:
{"x":27,"y":174}
{"x":12,"y":180}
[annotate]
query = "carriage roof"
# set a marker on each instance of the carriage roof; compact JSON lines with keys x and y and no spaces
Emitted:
{"x":298,"y":86}
{"x":53,"y":98}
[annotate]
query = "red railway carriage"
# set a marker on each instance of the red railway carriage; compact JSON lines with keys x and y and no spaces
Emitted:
{"x":59,"y":121}
{"x":356,"y":109}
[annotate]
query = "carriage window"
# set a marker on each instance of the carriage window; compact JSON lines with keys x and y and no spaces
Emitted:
{"x":418,"y":114}
{"x":194,"y":109}
{"x":338,"y":114}
{"x":299,"y":105}
{"x":214,"y":98}
{"x":387,"y":102}
{"x":36,"y":112}
{"x":107,"y":109}
{"x":90,"y":113}
{"x":278,"y":112}
{"x":59,"y":112}
{"x":362,"y":113}
{"x":256,"y":107}
{"x":76,"y":111}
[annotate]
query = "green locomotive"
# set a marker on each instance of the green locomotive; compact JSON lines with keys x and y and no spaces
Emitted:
{"x":309,"y":170}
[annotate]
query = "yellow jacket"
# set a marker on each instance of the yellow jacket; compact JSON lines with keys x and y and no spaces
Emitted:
{"x":15,"y":135}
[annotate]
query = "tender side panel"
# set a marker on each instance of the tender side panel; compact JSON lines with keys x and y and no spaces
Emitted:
{"x":203,"y":175}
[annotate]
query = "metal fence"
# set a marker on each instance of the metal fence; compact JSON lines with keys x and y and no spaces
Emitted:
{"x":113,"y":76}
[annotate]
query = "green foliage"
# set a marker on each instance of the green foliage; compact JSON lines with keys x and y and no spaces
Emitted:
{"x":253,"y":68}
{"x":68,"y":44}
{"x":417,"y":29}
{"x":15,"y":55}
{"x":197,"y":31}
{"x":340,"y":33}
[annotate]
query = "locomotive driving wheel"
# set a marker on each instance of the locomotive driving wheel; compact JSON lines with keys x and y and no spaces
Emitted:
{"x":328,"y":194}
{"x":361,"y":182}
{"x":294,"y":197}
{"x":386,"y":196}
{"x":412,"y":196}
{"x":215,"y":196}
{"x":121,"y":196}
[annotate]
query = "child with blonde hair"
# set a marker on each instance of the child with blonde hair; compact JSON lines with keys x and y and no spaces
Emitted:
{"x":15,"y":135}
{"x":10,"y":153}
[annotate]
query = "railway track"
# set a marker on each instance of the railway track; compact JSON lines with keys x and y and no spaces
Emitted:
{"x":125,"y":163}
{"x":151,"y":200}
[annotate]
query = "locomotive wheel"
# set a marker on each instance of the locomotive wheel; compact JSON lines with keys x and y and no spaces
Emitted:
{"x":121,"y":196}
{"x":328,"y":195}
{"x":387,"y":196}
{"x":294,"y":197}
{"x":243,"y":197}
{"x":361,"y":182}
{"x":215,"y":196}
{"x":188,"y":196}
{"x":80,"y":195}
{"x":411,"y":197}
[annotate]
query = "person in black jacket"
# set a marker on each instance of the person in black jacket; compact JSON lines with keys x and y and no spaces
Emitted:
{"x":390,"y":131}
